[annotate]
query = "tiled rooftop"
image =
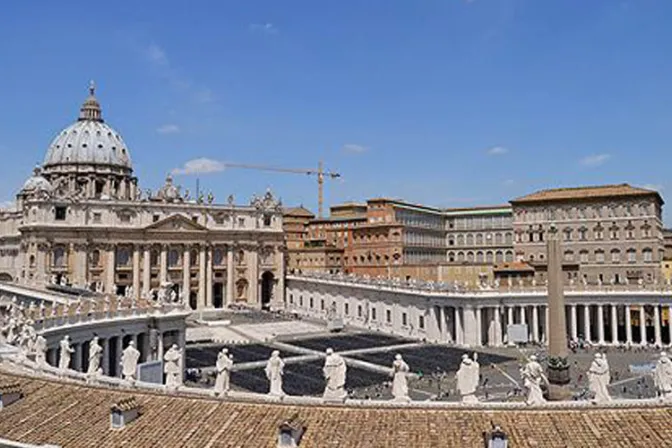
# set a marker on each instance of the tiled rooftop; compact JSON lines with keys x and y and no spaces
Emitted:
{"x":78,"y":416}
{"x":601,"y":191}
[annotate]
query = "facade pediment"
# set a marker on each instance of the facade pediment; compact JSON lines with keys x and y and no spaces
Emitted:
{"x":175,"y":223}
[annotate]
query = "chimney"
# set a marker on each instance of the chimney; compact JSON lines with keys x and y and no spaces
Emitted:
{"x":290,"y":433}
{"x":123,"y":412}
{"x":9,"y":393}
{"x":496,"y":438}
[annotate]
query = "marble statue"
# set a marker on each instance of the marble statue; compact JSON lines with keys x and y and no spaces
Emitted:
{"x":533,"y":374}
{"x":187,"y":195}
{"x":211,"y":198}
{"x":274,"y":371}
{"x":40,"y":351}
{"x":599,"y":378}
{"x":662,"y":377}
{"x":230,"y":199}
{"x":129,"y":362}
{"x":95,"y":355}
{"x":399,"y":382}
{"x":66,"y":352}
{"x":129,"y":292}
{"x":64,"y":281}
{"x":224,"y":364}
{"x":334,"y":371}
{"x":467,"y":378}
{"x":172,"y":361}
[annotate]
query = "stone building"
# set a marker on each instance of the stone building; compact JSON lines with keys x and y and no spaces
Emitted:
{"x":81,"y":220}
{"x":611,"y":233}
{"x":478,"y":239}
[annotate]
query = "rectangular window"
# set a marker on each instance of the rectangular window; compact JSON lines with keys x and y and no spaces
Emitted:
{"x":421,"y":322}
{"x":291,"y":299}
{"x":404,"y":319}
{"x":346,"y":309}
{"x":373,"y":314}
{"x":125,"y":219}
{"x":267,"y":220}
{"x":599,"y":257}
{"x":155,"y":218}
{"x":60,"y":213}
{"x":97,"y":217}
{"x":322,"y":304}
{"x":388,"y":316}
{"x":311,"y":303}
{"x":241,"y":222}
{"x":300,"y":300}
{"x":359,"y":310}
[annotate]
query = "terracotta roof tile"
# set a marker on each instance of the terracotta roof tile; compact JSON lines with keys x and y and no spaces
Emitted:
{"x":590,"y":192}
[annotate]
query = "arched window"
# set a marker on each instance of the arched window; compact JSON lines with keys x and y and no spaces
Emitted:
{"x":154,"y":258}
{"x":95,"y":258}
{"x":123,"y":256}
{"x":479,"y":239}
{"x":498,"y":238}
{"x":499,"y":256}
{"x":569,"y":255}
{"x":218,"y":257}
{"x":470,"y":257}
{"x":615,"y":256}
{"x":632,"y":255}
{"x":508,"y":256}
{"x":451,"y":257}
{"x":583,"y":256}
{"x":599,"y":256}
{"x":460,"y":240}
{"x":470,"y":239}
{"x":647,"y":254}
{"x":489,"y":257}
{"x":479,"y":257}
{"x":460,"y":257}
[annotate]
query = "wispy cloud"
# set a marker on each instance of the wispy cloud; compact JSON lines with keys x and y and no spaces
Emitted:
{"x":595,"y":160}
{"x":158,"y":58}
{"x":267,"y":28}
{"x":353,"y":148}
{"x":497,"y":151}
{"x":168,"y":129}
{"x":200,"y":166}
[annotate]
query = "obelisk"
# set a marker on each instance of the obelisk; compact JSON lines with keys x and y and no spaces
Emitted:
{"x":558,"y":367}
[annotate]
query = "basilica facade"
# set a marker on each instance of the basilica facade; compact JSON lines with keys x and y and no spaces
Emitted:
{"x":81,"y":220}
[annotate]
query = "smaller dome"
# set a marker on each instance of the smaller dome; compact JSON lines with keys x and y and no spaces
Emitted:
{"x":169,"y":192}
{"x":36,"y":182}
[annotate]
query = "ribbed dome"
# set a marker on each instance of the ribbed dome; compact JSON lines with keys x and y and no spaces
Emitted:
{"x":89,"y":141}
{"x":36,"y":182}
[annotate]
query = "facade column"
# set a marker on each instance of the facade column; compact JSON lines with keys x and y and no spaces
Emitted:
{"x":136,"y":271}
{"x":208,"y":278}
{"x":574,"y":323}
{"x":586,"y":323}
{"x":201,"y":277}
{"x":600,"y":324}
{"x":535,"y":323}
{"x":146,"y":271}
{"x":81,"y":265}
{"x":546,"y":324}
{"x":628,"y":325}
{"x":109,"y":270}
{"x":656,"y":323}
{"x":443,"y":324}
{"x":41,"y":276}
{"x":509,"y":315}
{"x":186,"y":275}
{"x":523,"y":316}
{"x":642,"y":325}
{"x":229,"y":277}
{"x":469,"y":326}
{"x":163,"y":265}
{"x":614,"y":324}
{"x":253,"y":259}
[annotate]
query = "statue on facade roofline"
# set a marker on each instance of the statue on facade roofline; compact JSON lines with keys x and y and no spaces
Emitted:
{"x":66,"y":353}
{"x":40,"y":348}
{"x":223,"y":369}
{"x":129,"y":362}
{"x":95,"y":355}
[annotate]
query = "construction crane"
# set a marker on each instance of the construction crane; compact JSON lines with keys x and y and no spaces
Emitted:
{"x":319,"y":172}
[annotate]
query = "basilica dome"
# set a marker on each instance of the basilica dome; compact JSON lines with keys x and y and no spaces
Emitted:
{"x":36,"y":182}
{"x":88,"y":141}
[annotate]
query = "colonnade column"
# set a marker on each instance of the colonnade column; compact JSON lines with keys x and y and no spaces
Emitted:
{"x":479,"y":327}
{"x":669,"y":322}
{"x":120,"y":348}
{"x":136,"y":272}
{"x":614,"y":324}
{"x":546,"y":312}
{"x":498,"y":327}
{"x":201,"y":277}
{"x":656,"y":323}
{"x":186,"y":275}
{"x":443,"y":323}
{"x":628,"y":325}
{"x":146,"y":271}
{"x":642,"y":325}
{"x":535,"y":323}
{"x":105,"y":343}
{"x":586,"y":322}
{"x":459,"y":334}
{"x":600,"y":324}
{"x":109,"y":270}
{"x":509,"y":315}
{"x":229,"y":276}
{"x":574,"y":323}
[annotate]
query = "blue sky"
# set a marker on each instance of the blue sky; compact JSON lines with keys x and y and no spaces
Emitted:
{"x":442,"y":102}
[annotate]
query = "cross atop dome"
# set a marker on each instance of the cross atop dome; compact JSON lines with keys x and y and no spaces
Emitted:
{"x":90,"y":110}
